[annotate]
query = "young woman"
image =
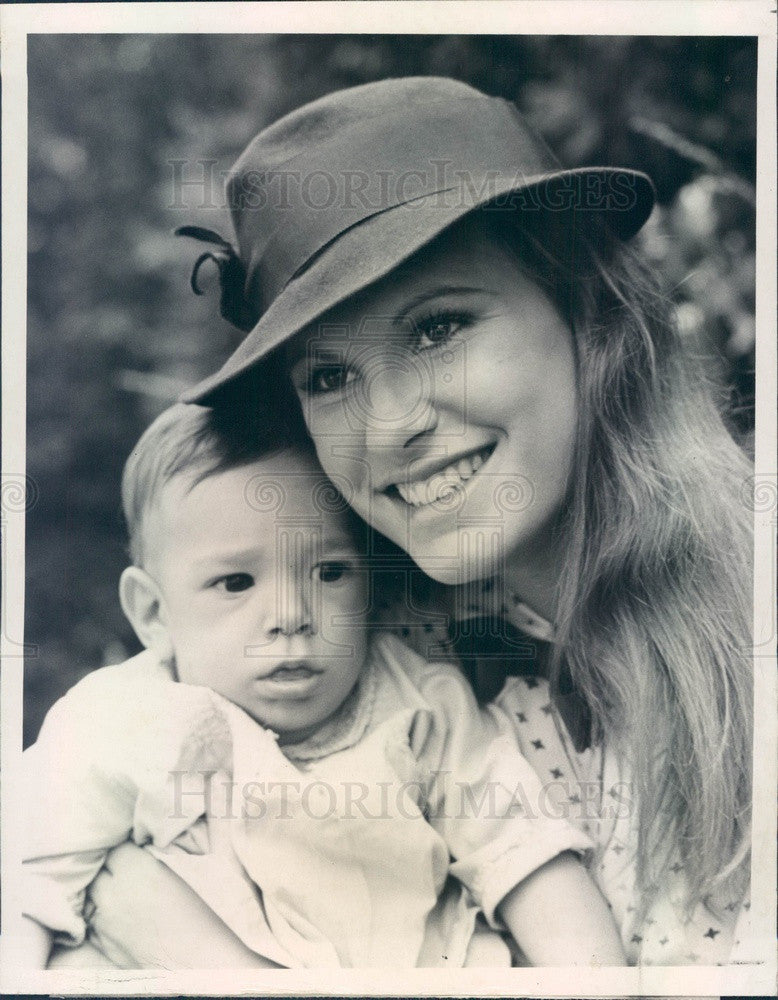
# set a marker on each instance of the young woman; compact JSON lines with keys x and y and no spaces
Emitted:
{"x":493,"y":381}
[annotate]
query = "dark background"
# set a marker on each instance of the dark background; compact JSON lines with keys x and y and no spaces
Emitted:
{"x":114,"y":333}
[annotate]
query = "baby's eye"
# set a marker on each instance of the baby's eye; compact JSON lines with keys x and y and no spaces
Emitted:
{"x":234,"y":583}
{"x":331,"y":572}
{"x":328,"y":378}
{"x":437,"y":329}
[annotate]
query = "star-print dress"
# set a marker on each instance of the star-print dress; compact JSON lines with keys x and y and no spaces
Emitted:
{"x":591,"y":787}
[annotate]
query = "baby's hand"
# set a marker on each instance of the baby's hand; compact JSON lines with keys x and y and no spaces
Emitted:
{"x":557,"y":916}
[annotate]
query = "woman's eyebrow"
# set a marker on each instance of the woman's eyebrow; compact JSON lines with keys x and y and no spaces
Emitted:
{"x":434,"y":293}
{"x":339,"y":544}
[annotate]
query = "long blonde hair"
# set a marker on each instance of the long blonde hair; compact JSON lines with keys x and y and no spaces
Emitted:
{"x":655,"y":605}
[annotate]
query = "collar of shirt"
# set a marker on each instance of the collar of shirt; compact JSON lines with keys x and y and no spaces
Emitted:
{"x":491,"y":599}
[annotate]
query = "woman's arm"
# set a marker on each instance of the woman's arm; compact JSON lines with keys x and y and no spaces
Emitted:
{"x":558,"y":917}
{"x":146,"y":917}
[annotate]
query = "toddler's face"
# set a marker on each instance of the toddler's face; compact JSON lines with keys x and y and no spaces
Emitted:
{"x":264,"y":591}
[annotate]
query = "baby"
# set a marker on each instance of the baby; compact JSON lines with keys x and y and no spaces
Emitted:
{"x":334,"y":798}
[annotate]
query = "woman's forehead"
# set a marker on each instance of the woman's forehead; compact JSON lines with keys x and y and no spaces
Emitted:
{"x":466,"y":258}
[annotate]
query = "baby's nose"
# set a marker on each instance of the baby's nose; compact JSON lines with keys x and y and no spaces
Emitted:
{"x":291,"y":627}
{"x":289,"y":609}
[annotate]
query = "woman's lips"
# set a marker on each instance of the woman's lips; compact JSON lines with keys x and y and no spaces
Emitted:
{"x":443,"y":483}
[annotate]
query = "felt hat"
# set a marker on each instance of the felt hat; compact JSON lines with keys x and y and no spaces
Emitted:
{"x":336,"y":194}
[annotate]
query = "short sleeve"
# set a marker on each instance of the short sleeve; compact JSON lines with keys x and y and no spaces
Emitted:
{"x":484,"y":798}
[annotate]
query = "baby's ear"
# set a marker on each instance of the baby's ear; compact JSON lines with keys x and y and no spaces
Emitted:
{"x":142,"y":603}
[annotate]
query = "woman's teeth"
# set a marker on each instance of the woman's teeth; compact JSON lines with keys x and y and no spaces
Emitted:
{"x":443,"y":485}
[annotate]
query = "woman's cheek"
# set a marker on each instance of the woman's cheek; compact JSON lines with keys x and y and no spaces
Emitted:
{"x":340,"y":456}
{"x":325,"y":417}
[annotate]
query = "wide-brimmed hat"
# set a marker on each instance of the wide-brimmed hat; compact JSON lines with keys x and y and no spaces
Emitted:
{"x":335,"y":195}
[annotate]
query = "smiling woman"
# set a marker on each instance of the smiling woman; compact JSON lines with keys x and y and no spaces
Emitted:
{"x":489,"y":373}
{"x":513,"y":330}
{"x":467,"y":385}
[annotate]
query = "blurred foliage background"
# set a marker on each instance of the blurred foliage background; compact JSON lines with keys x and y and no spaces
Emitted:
{"x":116,"y":122}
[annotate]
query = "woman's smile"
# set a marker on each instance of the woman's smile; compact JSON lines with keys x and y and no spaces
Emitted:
{"x":445,"y":397}
{"x":423,"y":487}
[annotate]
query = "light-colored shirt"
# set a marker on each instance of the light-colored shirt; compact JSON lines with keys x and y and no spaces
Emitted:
{"x":375,"y":842}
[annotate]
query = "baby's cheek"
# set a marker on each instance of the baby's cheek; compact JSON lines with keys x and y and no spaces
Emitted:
{"x":203,"y":660}
{"x":344,"y":613}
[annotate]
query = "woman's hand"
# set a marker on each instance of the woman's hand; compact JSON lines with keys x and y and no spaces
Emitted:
{"x":145,"y":917}
{"x":86,"y":956}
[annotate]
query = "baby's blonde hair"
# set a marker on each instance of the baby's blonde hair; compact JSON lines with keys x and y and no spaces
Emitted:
{"x":191,"y":441}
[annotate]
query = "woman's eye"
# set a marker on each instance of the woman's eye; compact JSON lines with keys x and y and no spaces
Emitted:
{"x":438,"y":329}
{"x":331,"y":572}
{"x":234,"y":583}
{"x":328,"y":378}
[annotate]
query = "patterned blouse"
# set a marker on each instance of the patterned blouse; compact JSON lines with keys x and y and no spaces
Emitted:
{"x":590,"y":786}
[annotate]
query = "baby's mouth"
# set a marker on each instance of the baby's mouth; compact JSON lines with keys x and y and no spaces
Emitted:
{"x":292,"y":671}
{"x":444,"y":483}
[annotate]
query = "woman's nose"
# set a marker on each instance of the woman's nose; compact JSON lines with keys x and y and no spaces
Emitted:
{"x":395,"y":398}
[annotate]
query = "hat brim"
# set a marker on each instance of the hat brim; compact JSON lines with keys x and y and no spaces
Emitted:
{"x":371,"y":249}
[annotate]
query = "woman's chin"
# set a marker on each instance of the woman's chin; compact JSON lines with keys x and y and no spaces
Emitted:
{"x":449,"y":567}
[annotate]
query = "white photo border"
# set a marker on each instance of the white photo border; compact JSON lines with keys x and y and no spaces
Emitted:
{"x":568,"y":17}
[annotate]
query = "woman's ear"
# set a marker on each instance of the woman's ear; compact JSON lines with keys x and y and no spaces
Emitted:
{"x":142,"y":603}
